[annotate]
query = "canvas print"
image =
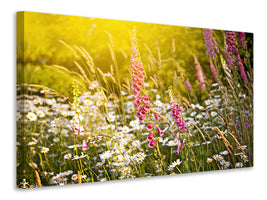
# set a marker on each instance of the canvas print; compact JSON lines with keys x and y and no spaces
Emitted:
{"x":101,"y":100}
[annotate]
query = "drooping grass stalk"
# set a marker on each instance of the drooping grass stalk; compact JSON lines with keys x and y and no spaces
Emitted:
{"x":39,"y":184}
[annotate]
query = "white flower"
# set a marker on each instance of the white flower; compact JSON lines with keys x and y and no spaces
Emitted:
{"x":40,"y":113}
{"x":244,"y":157}
{"x":111,"y":118}
{"x":171,"y":143}
{"x":50,"y":101}
{"x":243,"y":147}
{"x":213,"y":114}
{"x":37,"y":101}
{"x":123,"y":93}
{"x":88,"y":102}
{"x":33,"y":165}
{"x":158,"y":103}
{"x":44,"y":149}
{"x":119,"y":134}
{"x":224,"y":152}
{"x":67,"y":156}
{"x":74,"y":177}
{"x":200,"y":107}
{"x":74,"y":146}
{"x":125,"y":129}
{"x":99,"y":102}
{"x":31,"y":116}
{"x":134,"y":123}
{"x":193,"y":113}
{"x":225,"y":164}
{"x":207,"y":102}
{"x":18,"y":116}
{"x":105,"y":155}
{"x":55,"y":123}
{"x":140,"y":157}
{"x":56,"y":139}
{"x":93,"y":85}
{"x":78,"y":157}
{"x":239,"y":165}
{"x":209,"y":160}
{"x":175,"y":163}
{"x":190,"y":123}
{"x":146,"y":84}
{"x":52,"y":130}
{"x":199,"y":116}
{"x":217,"y":157}
{"x":136,"y":143}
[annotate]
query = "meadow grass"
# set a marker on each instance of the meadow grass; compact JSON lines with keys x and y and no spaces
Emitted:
{"x":90,"y":130}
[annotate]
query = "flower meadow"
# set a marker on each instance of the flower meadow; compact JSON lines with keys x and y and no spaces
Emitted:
{"x":148,"y":112}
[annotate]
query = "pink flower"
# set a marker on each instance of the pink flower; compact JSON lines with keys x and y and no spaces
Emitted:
{"x":149,"y":126}
{"x":146,"y":99}
{"x":150,"y":137}
{"x":141,"y":118}
{"x":183,"y":144}
{"x":176,"y":111}
{"x":177,"y":150}
{"x":210,"y":43}
{"x":214,"y":72}
{"x":147,"y":106}
{"x":200,"y":75}
{"x":156,"y":116}
{"x":242,"y":38}
{"x":143,"y":112}
{"x":242,"y":71}
{"x":136,"y":95}
{"x":187,"y":85}
{"x":84,"y":146}
{"x":178,"y":142}
{"x":76,"y":133}
{"x":82,"y":132}
{"x":152,"y":143}
{"x":159,"y":131}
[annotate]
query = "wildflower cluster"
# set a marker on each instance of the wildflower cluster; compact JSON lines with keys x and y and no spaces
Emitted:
{"x":210,"y":43}
{"x":242,"y":39}
{"x":230,"y":48}
{"x":200,"y":75}
{"x":137,"y":70}
{"x":108,"y":133}
{"x":241,"y":69}
{"x":187,"y":85}
{"x":213,"y":71}
{"x":151,"y":138}
{"x":176,"y":111}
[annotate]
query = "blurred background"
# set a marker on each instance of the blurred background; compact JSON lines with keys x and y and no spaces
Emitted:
{"x":166,"y":51}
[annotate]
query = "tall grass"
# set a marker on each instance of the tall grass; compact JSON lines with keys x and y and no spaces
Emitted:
{"x":94,"y":134}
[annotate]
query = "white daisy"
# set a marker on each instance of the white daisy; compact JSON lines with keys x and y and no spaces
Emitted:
{"x":40,"y":113}
{"x":44,"y":149}
{"x":209,"y":160}
{"x":239,"y":165}
{"x":217,"y":157}
{"x":18,"y":116}
{"x":67,"y":156}
{"x":111,"y":118}
{"x":31,"y":116}
{"x":175,"y":163}
{"x":213,"y":114}
{"x":125,"y":129}
{"x":105,"y":155}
